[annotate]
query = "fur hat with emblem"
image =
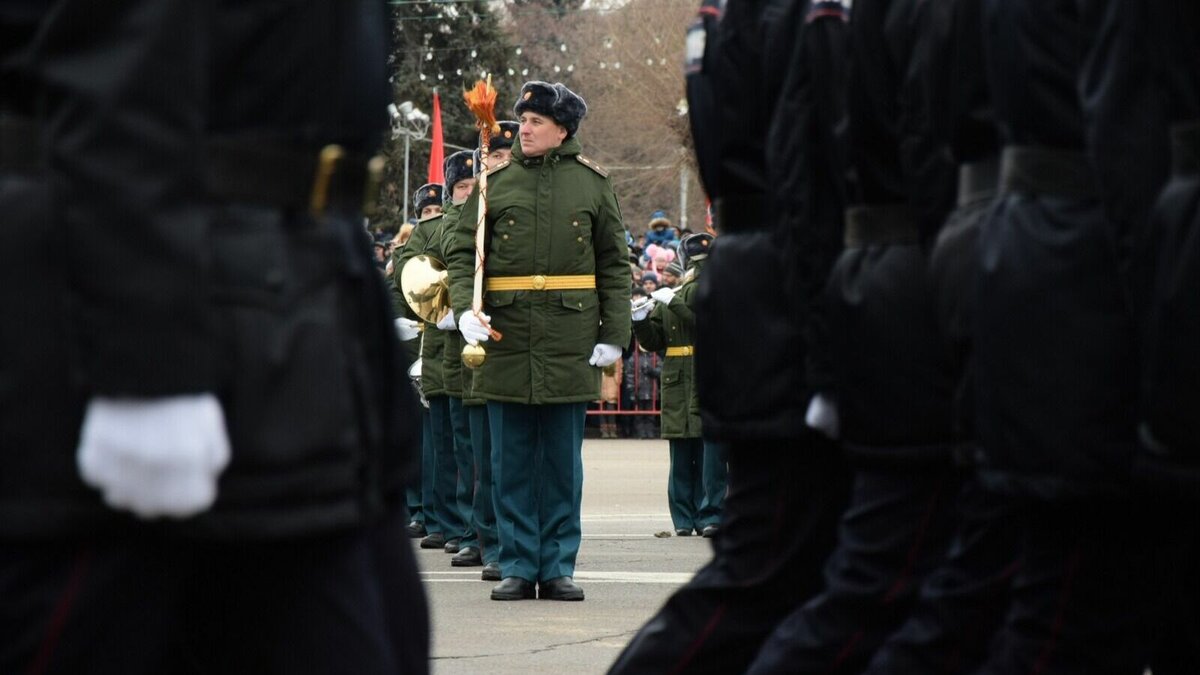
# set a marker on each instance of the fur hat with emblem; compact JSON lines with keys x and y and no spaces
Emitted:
{"x":554,"y":101}
{"x":429,"y":193}
{"x":696,"y":246}
{"x":506,"y":137}
{"x":458,"y":166}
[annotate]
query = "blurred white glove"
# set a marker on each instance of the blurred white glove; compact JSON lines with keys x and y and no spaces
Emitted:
{"x":473,"y":329}
{"x":641,"y":314}
{"x":604,"y":355}
{"x":822,"y":415}
{"x":447,"y":322}
{"x":406,"y":329}
{"x":155,"y":456}
{"x":663,"y":295}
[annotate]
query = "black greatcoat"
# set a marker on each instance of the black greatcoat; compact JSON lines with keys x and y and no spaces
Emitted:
{"x":1171,"y":384}
{"x":1055,"y":353}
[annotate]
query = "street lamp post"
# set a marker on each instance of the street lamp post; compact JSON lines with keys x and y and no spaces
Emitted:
{"x":407,"y":121}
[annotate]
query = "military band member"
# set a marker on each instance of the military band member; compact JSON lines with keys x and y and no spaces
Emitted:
{"x":427,"y":202}
{"x":696,"y":486}
{"x":459,"y":170}
{"x":482,"y":537}
{"x":557,"y":289}
{"x":444,"y":521}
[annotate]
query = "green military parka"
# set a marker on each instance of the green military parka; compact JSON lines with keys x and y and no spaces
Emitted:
{"x":552,"y":215}
{"x":673,"y":325}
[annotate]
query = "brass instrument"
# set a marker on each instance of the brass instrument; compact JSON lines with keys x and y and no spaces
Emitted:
{"x":638,"y":305}
{"x":425,"y":285}
{"x":426,"y":288}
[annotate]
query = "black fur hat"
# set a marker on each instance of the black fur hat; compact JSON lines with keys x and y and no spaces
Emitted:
{"x":458,"y":166}
{"x":695,"y":246}
{"x":506,"y":137}
{"x":430,"y":193}
{"x":554,"y":101}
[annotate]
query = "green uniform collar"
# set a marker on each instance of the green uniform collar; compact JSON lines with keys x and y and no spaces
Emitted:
{"x":569,"y":148}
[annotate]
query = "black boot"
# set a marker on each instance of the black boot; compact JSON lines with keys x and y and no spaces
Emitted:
{"x":562,"y":588}
{"x":514,"y":588}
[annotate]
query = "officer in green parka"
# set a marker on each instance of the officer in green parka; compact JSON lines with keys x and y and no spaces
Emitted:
{"x":557,"y":287}
{"x":698,"y":475}
{"x":444,"y":523}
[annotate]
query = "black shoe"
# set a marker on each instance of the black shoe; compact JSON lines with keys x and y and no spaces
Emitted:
{"x":514,"y":588}
{"x":468,"y":556}
{"x":433,"y":540}
{"x":491,"y":572}
{"x":416,"y":529}
{"x":681,"y":532}
{"x":562,"y":588}
{"x":710,"y":531}
{"x":452,"y":545}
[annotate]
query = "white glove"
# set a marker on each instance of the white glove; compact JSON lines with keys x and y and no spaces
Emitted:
{"x":604,"y":355}
{"x":663,"y":295}
{"x":406,"y":329}
{"x":447,"y":322}
{"x":473,"y":329}
{"x":155,"y":456}
{"x":822,"y":415}
{"x":641,"y":314}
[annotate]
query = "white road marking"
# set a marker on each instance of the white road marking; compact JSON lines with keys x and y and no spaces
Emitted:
{"x":594,"y":577}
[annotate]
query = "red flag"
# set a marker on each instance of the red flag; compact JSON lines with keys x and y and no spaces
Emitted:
{"x":437,"y":154}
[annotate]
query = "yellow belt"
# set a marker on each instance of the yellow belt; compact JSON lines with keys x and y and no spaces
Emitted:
{"x":681,"y":351}
{"x":538,"y":282}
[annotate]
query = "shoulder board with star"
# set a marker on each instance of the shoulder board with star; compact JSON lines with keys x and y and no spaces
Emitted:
{"x":592,"y":165}
{"x":493,"y":169}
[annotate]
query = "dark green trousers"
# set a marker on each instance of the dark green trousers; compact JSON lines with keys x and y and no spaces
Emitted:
{"x":537,"y":469}
{"x":464,"y":460}
{"x":716,"y":483}
{"x":483,"y":509}
{"x":412,"y":494}
{"x":440,"y":475}
{"x":685,"y":483}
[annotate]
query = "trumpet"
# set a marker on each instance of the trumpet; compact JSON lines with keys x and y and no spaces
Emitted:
{"x":639,"y":305}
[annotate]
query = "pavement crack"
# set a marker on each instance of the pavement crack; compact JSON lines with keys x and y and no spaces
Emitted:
{"x":538,"y":650}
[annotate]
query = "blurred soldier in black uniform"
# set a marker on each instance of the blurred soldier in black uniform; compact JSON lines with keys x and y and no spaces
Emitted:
{"x":894,"y":382}
{"x":204,"y":420}
{"x":1171,"y":432}
{"x":1056,"y":351}
{"x":1143,"y":96}
{"x":961,"y":603}
{"x":768,"y":156}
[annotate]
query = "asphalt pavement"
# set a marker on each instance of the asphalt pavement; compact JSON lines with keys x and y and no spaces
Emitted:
{"x":625,"y":570}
